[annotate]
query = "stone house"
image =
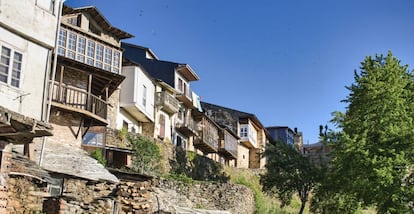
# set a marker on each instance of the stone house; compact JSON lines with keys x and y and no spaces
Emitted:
{"x":251,"y":134}
{"x":83,"y":96}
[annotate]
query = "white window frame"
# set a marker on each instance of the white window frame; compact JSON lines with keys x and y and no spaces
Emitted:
{"x":103,"y":56}
{"x":10,"y":66}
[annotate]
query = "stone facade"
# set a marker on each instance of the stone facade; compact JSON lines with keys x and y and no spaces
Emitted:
{"x":170,"y":196}
{"x":25,"y":195}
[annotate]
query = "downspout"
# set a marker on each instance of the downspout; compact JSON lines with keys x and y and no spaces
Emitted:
{"x":54,"y":67}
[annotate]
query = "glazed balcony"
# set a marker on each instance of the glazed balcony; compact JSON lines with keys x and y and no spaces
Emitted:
{"x":168,"y":102}
{"x":75,"y":99}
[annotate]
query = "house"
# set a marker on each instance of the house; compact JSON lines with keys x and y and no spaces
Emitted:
{"x":28,"y":32}
{"x":135,"y":117}
{"x":84,"y":96}
{"x":173,"y":79}
{"x":319,"y":152}
{"x":286,"y":135}
{"x":207,"y":138}
{"x":250,"y":131}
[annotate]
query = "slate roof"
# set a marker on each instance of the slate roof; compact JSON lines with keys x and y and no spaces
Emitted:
{"x":158,"y":69}
{"x":71,"y":160}
{"x":228,"y":117}
{"x":21,"y":165}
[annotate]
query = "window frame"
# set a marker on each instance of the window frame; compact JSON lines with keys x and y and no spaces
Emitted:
{"x":94,"y":53}
{"x":10,"y":73}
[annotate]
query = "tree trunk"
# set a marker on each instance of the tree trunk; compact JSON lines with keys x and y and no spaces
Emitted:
{"x":302,"y":207}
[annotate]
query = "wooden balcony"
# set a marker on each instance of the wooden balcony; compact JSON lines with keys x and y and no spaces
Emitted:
{"x":207,"y":140}
{"x":186,"y":98}
{"x":187,"y":126}
{"x":168,"y":102}
{"x":206,"y":143}
{"x":228,"y":146}
{"x":74,"y":99}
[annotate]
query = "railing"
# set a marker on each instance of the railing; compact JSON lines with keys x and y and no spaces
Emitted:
{"x":210,"y":140}
{"x":188,"y":125}
{"x":80,"y":99}
{"x":187,"y":93}
{"x":230,"y":144}
{"x":166,"y":99}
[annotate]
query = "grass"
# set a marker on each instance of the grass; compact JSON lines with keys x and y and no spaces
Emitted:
{"x":263,"y":203}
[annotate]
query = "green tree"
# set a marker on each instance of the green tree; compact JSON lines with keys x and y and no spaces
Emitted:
{"x":374,"y":152}
{"x":288,"y":173}
{"x":147,"y":155}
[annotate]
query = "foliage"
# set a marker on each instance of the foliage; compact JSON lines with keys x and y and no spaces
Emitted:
{"x":147,"y":155}
{"x":289,"y":173}
{"x":180,"y":177}
{"x":264,"y":203}
{"x":196,"y":166}
{"x":373,"y":153}
{"x":98,"y":155}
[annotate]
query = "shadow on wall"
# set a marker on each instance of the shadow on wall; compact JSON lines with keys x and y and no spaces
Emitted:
{"x":197,"y":167}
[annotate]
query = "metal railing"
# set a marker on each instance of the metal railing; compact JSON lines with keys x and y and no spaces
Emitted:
{"x":78,"y":98}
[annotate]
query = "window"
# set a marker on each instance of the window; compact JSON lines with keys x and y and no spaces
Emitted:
{"x":116,"y":63}
{"x":75,"y":20}
{"x":243,"y":132}
{"x":108,"y":59}
{"x":62,"y":42}
{"x":16,"y":70}
{"x":180,"y":84}
{"x":94,"y":139}
{"x":99,"y":55}
{"x":81,"y":49}
{"x":10,"y":66}
{"x":91,"y":53}
{"x":144,"y":95}
{"x":71,"y":45}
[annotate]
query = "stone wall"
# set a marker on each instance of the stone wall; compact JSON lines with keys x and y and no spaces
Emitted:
{"x":81,"y":196}
{"x":169,"y":196}
{"x":134,"y":197}
{"x":25,"y":195}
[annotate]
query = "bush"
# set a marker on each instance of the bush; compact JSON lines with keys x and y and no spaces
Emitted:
{"x":147,"y":155}
{"x":98,"y":155}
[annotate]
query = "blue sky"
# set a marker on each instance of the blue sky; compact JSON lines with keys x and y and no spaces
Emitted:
{"x":287,"y":62}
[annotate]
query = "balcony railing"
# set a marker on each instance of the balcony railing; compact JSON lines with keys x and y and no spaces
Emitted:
{"x":79,"y":99}
{"x":168,"y":102}
{"x":187,"y":126}
{"x":228,"y":147}
{"x":186,"y":97}
{"x":207,"y":143}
